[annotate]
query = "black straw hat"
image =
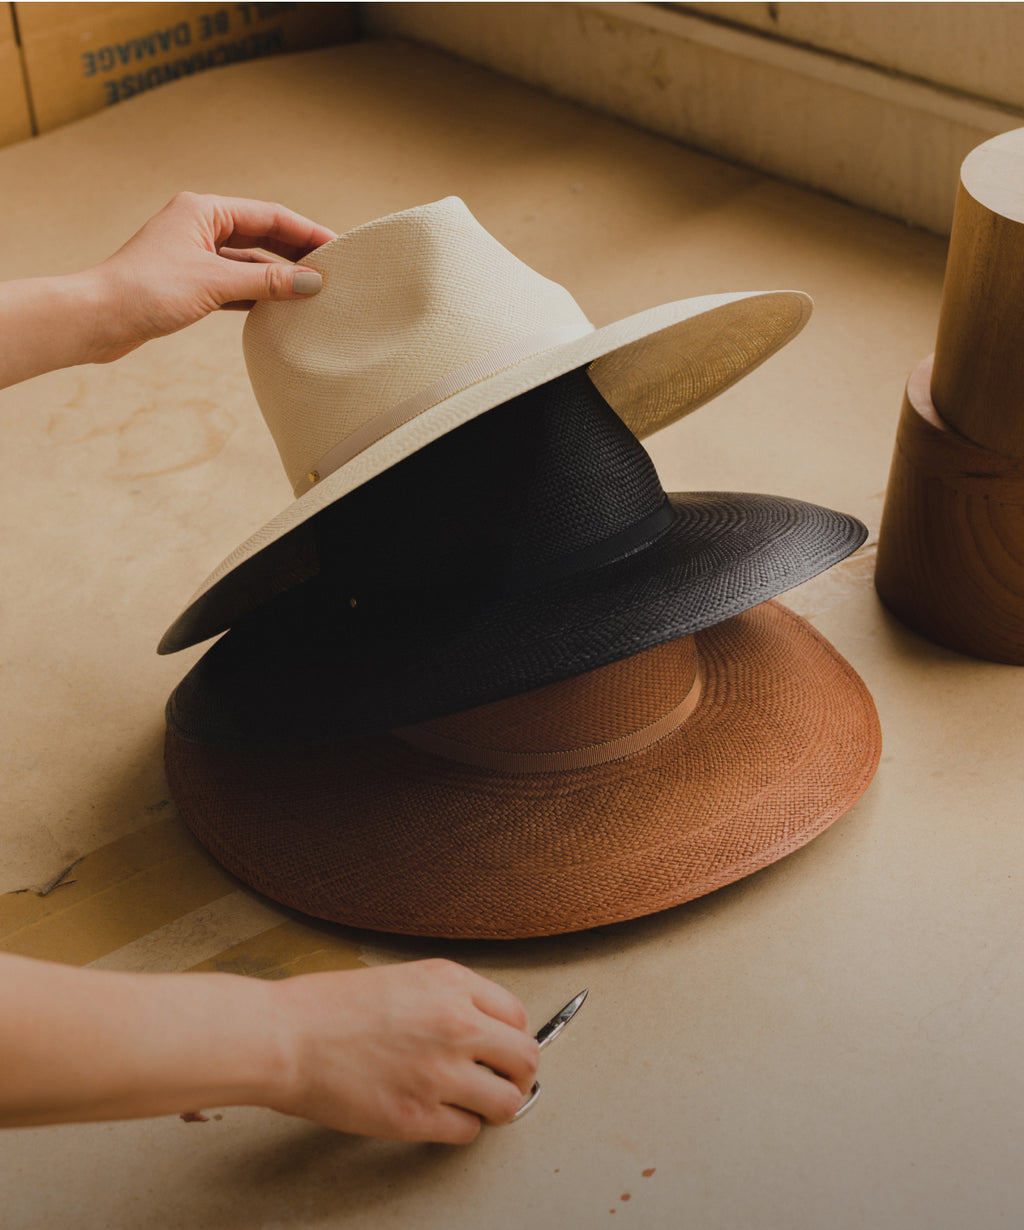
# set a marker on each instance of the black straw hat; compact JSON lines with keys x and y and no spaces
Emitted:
{"x":530,"y":545}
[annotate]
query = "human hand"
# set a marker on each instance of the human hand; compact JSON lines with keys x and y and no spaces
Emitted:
{"x":427,"y":1050}
{"x":199,"y":253}
{"x":195,"y":256}
{"x":395,"y":1051}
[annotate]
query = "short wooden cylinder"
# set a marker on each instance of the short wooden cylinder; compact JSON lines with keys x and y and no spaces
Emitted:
{"x":978,"y":379}
{"x":951,"y":545}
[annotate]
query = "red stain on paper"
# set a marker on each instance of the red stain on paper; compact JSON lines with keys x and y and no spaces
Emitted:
{"x":648,"y":1172}
{"x":625,"y":1196}
{"x":193,"y":1116}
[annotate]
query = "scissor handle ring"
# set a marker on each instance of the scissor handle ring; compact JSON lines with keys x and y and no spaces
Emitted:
{"x":528,"y":1101}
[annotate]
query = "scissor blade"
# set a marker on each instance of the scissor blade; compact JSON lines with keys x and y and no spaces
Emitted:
{"x":558,"y":1022}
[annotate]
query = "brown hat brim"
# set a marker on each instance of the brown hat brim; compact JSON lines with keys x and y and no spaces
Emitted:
{"x":377,"y":834}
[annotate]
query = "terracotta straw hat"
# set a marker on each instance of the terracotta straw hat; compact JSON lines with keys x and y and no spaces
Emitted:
{"x":424,"y":322}
{"x":601,"y":798}
{"x":533,"y":544}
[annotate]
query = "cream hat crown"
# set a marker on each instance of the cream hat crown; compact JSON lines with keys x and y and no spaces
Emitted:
{"x":408,"y":303}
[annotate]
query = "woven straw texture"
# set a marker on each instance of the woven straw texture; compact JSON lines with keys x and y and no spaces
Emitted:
{"x":408,"y":300}
{"x":588,"y":709}
{"x":500,"y":558}
{"x":375,"y":833}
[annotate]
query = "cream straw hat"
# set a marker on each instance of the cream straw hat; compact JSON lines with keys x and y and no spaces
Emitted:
{"x":424,"y":322}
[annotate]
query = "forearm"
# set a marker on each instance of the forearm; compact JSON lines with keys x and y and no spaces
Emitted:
{"x":78,"y":1045}
{"x":47,"y":323}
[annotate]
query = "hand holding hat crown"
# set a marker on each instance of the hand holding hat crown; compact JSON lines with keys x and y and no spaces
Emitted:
{"x":198,"y":254}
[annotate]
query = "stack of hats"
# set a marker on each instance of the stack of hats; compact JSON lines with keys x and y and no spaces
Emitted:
{"x":484,"y":678}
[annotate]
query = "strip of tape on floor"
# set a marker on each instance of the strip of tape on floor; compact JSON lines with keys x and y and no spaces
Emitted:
{"x":155,"y":900}
{"x":290,"y":948}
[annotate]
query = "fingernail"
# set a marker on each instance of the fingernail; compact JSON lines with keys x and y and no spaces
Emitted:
{"x":306,"y":282}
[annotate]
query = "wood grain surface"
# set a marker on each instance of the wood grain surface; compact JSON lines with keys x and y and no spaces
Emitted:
{"x":978,"y":378}
{"x":951,"y":544}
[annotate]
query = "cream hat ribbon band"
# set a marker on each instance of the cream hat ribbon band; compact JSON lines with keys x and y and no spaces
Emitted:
{"x":462,"y":378}
{"x":555,"y":762}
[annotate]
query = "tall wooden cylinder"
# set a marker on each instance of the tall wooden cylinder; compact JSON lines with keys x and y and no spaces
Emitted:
{"x":978,"y":378}
{"x":951,"y":546}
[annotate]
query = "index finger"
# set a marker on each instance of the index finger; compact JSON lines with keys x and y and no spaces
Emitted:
{"x":243,"y":223}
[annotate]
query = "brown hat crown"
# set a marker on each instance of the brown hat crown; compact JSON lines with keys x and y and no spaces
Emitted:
{"x":606,"y":714}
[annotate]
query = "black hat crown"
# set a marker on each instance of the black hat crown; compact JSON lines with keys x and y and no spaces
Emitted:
{"x":544,"y":485}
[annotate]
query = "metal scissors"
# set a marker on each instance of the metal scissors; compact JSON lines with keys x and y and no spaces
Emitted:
{"x":547,"y":1033}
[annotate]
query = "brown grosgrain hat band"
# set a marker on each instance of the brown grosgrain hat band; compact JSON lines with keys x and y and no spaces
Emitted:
{"x":586,"y":757}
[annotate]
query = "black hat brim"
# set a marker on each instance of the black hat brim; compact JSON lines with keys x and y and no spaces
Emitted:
{"x":309,"y":669}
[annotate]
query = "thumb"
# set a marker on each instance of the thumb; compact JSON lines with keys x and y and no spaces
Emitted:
{"x":248,"y":281}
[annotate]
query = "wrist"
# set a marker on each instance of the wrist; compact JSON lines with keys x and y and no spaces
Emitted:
{"x":196,"y":1041}
{"x":272,"y":1069}
{"x":287,"y":1018}
{"x":247,"y":1043}
{"x":95,"y":300}
{"x":96,"y":1044}
{"x":92,"y":308}
{"x":55,"y":322}
{"x":69,"y":307}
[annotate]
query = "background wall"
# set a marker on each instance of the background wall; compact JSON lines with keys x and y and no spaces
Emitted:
{"x":877,"y":104}
{"x":973,"y":48}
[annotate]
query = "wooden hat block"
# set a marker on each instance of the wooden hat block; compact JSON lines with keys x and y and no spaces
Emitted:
{"x":951,"y":545}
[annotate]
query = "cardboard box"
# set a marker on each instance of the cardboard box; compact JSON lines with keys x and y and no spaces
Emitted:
{"x":80,"y":58}
{"x":15,"y":120}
